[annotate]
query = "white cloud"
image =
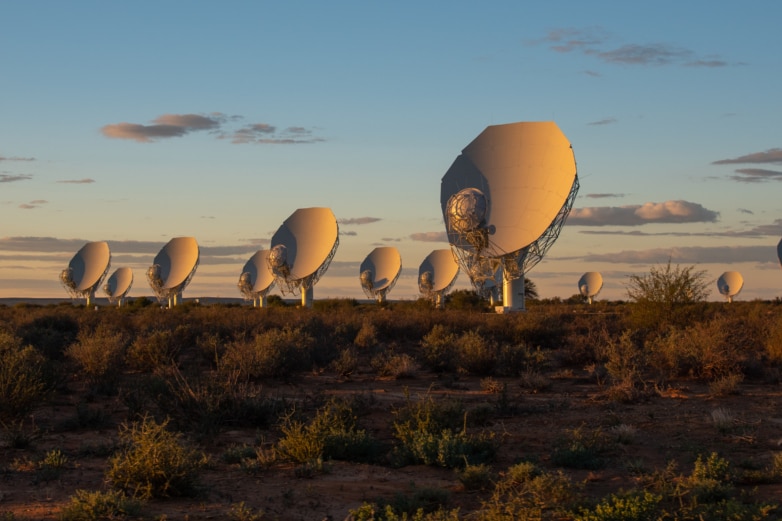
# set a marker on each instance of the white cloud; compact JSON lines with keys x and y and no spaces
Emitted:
{"x":636,"y":215}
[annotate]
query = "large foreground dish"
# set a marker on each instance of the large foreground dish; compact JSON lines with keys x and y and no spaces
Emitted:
{"x":379,"y":272}
{"x":173,"y":268}
{"x":504,"y":201}
{"x":257,"y":278}
{"x":302,"y":249}
{"x":86,"y":270}
{"x":437,"y":275}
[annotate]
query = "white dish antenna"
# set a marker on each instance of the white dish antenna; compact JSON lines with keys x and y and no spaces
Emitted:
{"x":504,"y":201}
{"x":86,"y":270}
{"x":118,"y":285}
{"x":173,"y":268}
{"x":590,"y":284}
{"x":730,"y":284}
{"x":437,"y":275}
{"x":257,"y":278}
{"x":379,"y":272}
{"x":302,"y":249}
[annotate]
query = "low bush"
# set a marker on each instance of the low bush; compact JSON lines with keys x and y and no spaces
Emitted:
{"x":204,"y":405}
{"x":93,"y":506}
{"x":332,"y":434}
{"x":426,"y":433}
{"x":438,"y":349}
{"x":396,"y":365}
{"x":153,"y":462}
{"x":276,"y":353}
{"x":157,"y":348}
{"x":580,"y":449}
{"x":50,"y":333}
{"x":525,"y":492}
{"x":100,"y":355}
{"x":22,"y":382}
{"x":630,"y":506}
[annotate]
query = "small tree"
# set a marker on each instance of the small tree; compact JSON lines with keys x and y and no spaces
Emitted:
{"x":530,"y":290}
{"x":665,"y":289}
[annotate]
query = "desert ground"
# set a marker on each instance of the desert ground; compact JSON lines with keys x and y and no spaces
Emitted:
{"x":637,"y":427}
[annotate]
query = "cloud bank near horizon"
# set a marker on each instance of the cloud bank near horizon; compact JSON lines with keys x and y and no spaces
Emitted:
{"x":772,"y":156}
{"x":179,"y":125}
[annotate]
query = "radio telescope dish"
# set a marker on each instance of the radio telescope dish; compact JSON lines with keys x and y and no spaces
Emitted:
{"x":380,"y":271}
{"x":437,"y":275}
{"x":779,"y":251}
{"x":118,"y":285}
{"x":173,"y":268}
{"x":257,"y":278}
{"x":86,"y":270}
{"x":504,"y":201}
{"x":730,"y":284}
{"x":302,"y":249}
{"x":590,"y":284}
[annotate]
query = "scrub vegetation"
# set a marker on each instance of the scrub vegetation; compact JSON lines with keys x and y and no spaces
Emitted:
{"x":661,"y":407}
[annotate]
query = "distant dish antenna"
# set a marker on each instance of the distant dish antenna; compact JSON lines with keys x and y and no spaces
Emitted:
{"x":257,"y":278}
{"x":302,"y":249}
{"x":379,"y":272}
{"x":504,"y":201}
{"x":590,"y":284}
{"x":118,"y":285}
{"x":86,"y":270}
{"x":730,"y":284}
{"x":173,"y":268}
{"x":437,"y":275}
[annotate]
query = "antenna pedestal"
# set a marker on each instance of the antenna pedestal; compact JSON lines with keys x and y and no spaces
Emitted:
{"x":306,"y":297}
{"x":512,"y":296}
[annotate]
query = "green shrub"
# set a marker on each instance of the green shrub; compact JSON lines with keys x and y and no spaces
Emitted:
{"x":475,"y":477}
{"x":332,"y":434}
{"x":51,"y":466}
{"x":475,"y":354}
{"x":580,"y":449}
{"x":710,"y":480}
{"x":96,"y":506}
{"x":631,"y":506}
{"x":438,"y":350}
{"x":421,"y":500}
{"x":373,"y":512}
{"x":426,"y":434}
{"x":525,"y":492}
{"x":238,"y":453}
{"x":22,"y":384}
{"x":153,"y":462}
{"x":241,"y":512}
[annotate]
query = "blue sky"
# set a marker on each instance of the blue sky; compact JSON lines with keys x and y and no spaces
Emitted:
{"x":136,"y":122}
